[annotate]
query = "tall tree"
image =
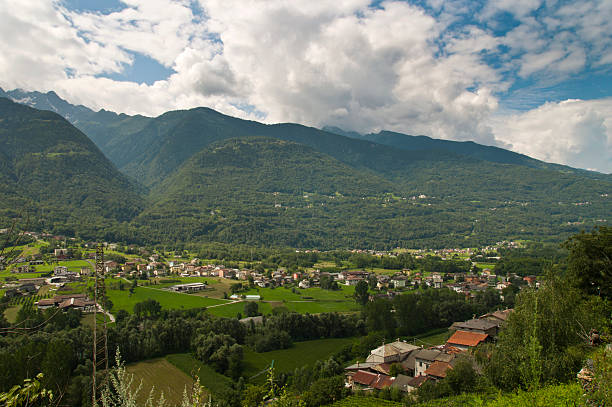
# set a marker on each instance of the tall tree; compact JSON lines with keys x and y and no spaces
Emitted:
{"x":361,"y":293}
{"x":590,"y":261}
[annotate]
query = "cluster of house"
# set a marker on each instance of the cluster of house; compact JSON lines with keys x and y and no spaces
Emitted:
{"x":66,"y":302}
{"x":419,"y":364}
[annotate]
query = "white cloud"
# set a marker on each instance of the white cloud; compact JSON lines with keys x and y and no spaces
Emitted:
{"x":573,"y":132}
{"x":341,"y":63}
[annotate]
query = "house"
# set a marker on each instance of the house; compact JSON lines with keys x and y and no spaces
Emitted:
{"x":416,"y":382}
{"x":398,"y":281}
{"x":531,"y":280}
{"x":483,"y":326}
{"x":499,"y":316}
{"x":437,"y":370}
{"x":391,"y":352}
{"x":77,"y":303}
{"x":437,"y":281}
{"x":423,"y":359}
{"x":252,"y":297}
{"x":60,"y":270}
{"x":465,"y":340}
{"x":363,"y":380}
{"x":402,"y":382}
{"x":304,"y":284}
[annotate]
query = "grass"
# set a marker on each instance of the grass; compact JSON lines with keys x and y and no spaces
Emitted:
{"x":167,"y":299}
{"x":161,"y":375}
{"x":286,"y":360}
{"x":11,"y":313}
{"x":556,"y":395}
{"x":364,"y":401}
{"x":431,"y":338}
{"x":345,"y":293}
{"x":215,"y":382}
{"x":231,"y":310}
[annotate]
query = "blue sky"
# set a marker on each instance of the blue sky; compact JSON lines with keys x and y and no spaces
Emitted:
{"x":533,"y":76}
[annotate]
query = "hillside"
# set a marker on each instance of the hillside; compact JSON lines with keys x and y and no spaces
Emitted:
{"x":465,"y":148}
{"x":417,"y":192}
{"x":264,"y":191}
{"x":56,"y":177}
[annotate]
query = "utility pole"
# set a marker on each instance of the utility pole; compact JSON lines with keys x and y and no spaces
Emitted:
{"x":100,"y":333}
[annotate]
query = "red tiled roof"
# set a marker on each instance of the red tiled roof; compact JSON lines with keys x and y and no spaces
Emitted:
{"x":417,"y":381}
{"x":383,"y":368}
{"x":466,"y":338}
{"x":363,"y":377}
{"x":378,"y":381}
{"x":438,"y":369}
{"x":382,"y":381}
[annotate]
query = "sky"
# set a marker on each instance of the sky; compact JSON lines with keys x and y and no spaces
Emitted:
{"x":532,"y":76}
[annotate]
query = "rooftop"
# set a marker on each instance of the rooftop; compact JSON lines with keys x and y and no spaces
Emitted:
{"x":466,"y":338}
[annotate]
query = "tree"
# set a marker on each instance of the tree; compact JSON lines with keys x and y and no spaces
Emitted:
{"x":462,"y":378}
{"x":251,"y":309}
{"x":590,"y":261}
{"x":361,"y":293}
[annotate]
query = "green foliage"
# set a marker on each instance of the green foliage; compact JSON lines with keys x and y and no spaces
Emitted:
{"x":54,"y":173}
{"x":361,"y":293}
{"x":30,"y":393}
{"x":325,"y":391}
{"x":251,"y":309}
{"x":590,"y":265}
{"x":544,"y":338}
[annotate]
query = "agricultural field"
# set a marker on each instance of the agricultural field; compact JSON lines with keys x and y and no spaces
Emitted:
{"x":161,"y":375}
{"x":345,"y":293}
{"x":232,"y":309}
{"x":286,"y":360}
{"x":122,"y":299}
{"x":211,"y":380}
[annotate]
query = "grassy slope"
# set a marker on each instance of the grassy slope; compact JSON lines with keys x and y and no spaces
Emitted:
{"x":359,"y":401}
{"x":210,"y":379}
{"x":163,"y":376}
{"x":286,"y":360}
{"x":559,"y":395}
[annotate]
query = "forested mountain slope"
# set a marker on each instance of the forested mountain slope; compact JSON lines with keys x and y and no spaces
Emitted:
{"x":55,"y":176}
{"x":361,"y":193}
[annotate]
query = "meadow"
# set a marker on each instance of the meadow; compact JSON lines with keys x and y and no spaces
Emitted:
{"x":122,"y":299}
{"x":163,"y":377}
{"x":211,"y":380}
{"x":286,"y":360}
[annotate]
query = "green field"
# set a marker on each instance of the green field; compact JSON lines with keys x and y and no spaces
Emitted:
{"x":211,"y":380}
{"x":279,"y":294}
{"x":161,"y":375}
{"x":167,"y":299}
{"x":231,"y":310}
{"x":286,"y":360}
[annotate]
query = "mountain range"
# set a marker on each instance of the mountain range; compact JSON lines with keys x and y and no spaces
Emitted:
{"x":200,"y":176}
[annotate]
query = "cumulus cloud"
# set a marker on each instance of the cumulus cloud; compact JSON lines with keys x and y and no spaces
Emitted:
{"x":573,"y":132}
{"x":406,"y":67}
